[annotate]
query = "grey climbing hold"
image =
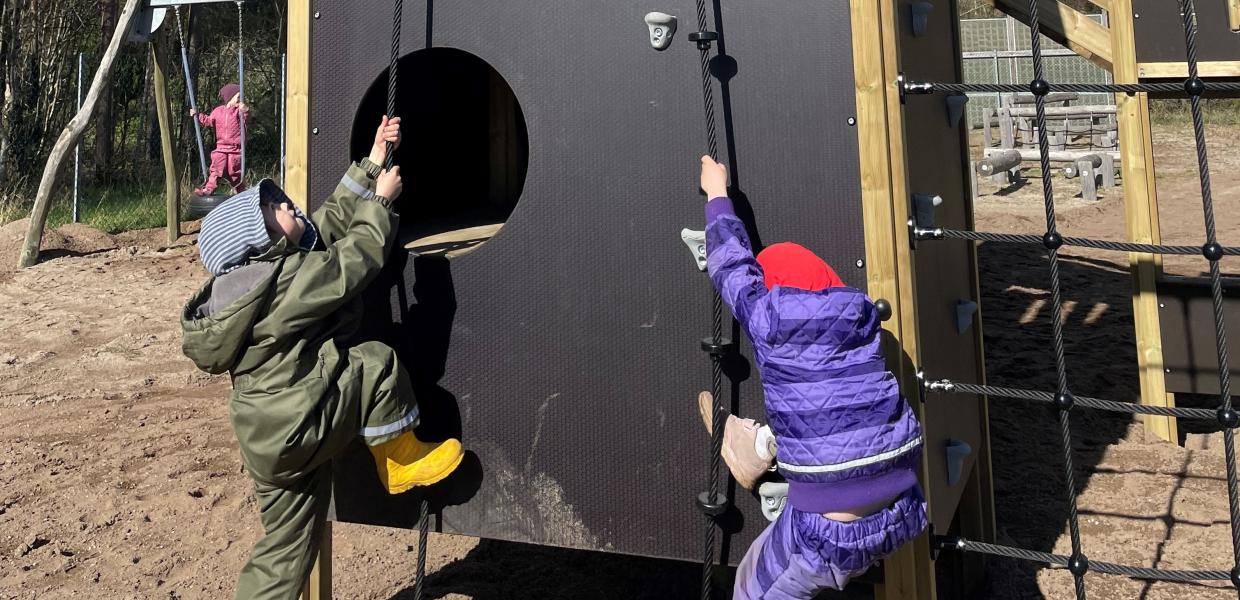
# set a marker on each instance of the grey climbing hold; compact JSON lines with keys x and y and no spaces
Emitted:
{"x":923,"y":208}
{"x":696,"y":241}
{"x":662,"y":27}
{"x":957,"y":451}
{"x":921,"y":17}
{"x":774,"y":497}
{"x":965,"y":309}
{"x":955,"y":108}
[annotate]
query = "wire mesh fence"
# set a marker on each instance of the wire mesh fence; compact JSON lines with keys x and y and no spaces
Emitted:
{"x":999,"y":51}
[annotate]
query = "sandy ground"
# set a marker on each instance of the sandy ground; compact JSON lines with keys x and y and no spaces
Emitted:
{"x":119,"y":474}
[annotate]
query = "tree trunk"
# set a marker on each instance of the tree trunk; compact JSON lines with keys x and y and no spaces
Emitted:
{"x":106,"y":121}
{"x":70,"y":135}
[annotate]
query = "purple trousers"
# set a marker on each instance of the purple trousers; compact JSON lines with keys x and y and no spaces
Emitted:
{"x":800,"y":554}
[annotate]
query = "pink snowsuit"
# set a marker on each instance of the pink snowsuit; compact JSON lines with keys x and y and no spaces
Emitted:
{"x":226,"y":157}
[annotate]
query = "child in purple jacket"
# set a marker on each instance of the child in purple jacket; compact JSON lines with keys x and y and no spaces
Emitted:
{"x":845,"y":439}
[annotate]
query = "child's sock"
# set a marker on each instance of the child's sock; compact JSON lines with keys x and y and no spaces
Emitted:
{"x":407,"y":462}
{"x":764,"y":443}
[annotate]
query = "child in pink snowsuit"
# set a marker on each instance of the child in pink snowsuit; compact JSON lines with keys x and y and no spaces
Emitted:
{"x":226,"y":157}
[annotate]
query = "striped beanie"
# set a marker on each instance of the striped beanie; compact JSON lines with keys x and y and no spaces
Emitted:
{"x":232,"y":231}
{"x":235,"y":230}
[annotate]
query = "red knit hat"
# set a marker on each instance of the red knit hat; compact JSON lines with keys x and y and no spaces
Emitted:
{"x":794,"y":266}
{"x":228,"y":91}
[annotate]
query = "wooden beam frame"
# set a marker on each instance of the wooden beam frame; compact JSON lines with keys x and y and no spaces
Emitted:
{"x":297,"y":102}
{"x":909,"y":574}
{"x":1141,"y":216}
{"x":1179,"y":70}
{"x":297,"y":184}
{"x":1067,"y":26}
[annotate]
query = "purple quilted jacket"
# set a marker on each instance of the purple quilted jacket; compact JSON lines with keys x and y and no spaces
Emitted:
{"x":846,"y":437}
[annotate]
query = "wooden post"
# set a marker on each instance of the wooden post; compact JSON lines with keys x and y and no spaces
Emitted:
{"x":908,"y":574}
{"x":297,"y":101}
{"x":319,"y":585}
{"x":69,"y":136}
{"x":1141,"y":215}
{"x":163,"y":111}
{"x":1233,"y":15}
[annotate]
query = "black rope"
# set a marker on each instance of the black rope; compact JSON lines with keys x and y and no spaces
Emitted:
{"x":703,"y":37}
{"x":189,"y":91}
{"x":1194,"y":86}
{"x":951,"y":387}
{"x":1028,"y":238}
{"x":919,"y":87}
{"x":397,"y":10}
{"x":1061,"y":371}
{"x":423,"y":535}
{"x":964,"y":545}
{"x":424,"y":505}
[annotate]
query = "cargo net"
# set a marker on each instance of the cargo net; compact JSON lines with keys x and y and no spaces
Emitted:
{"x":1063,"y":398}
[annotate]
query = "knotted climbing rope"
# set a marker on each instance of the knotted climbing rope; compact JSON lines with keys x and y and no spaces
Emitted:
{"x":711,"y":502}
{"x":423,"y":503}
{"x":1077,"y":563}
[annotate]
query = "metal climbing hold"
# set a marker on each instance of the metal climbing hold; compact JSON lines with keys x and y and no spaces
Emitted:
{"x":1213,"y":251}
{"x":1052,"y":240}
{"x":1039,"y":87}
{"x":774,"y":496}
{"x":696,"y":241}
{"x":662,"y":27}
{"x":1064,"y":401}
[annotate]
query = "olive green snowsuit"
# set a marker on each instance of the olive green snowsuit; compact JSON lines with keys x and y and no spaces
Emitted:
{"x":299,"y":396}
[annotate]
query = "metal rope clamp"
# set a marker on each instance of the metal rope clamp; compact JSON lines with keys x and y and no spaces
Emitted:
{"x":703,"y":39}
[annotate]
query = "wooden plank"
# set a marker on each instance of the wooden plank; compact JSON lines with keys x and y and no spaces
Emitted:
{"x":1141,"y":217}
{"x":1233,"y":15}
{"x":1070,"y":112}
{"x":163,"y":112}
{"x":909,"y":573}
{"x":1179,"y":70}
{"x":297,"y":102}
{"x":1065,"y":25}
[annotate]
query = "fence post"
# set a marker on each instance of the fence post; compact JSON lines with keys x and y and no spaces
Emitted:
{"x":77,"y":150}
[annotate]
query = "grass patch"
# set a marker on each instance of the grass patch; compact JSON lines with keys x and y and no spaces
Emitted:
{"x":112,"y":209}
{"x":1216,"y":111}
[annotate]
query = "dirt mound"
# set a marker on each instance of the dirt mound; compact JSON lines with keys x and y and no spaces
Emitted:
{"x":74,"y":238}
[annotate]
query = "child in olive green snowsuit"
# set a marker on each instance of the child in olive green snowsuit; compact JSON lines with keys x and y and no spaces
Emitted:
{"x":276,"y":315}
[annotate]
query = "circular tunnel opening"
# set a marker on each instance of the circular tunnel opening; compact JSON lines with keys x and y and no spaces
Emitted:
{"x":464,"y":150}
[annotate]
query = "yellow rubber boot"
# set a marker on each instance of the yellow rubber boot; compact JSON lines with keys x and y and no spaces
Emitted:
{"x":407,"y":462}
